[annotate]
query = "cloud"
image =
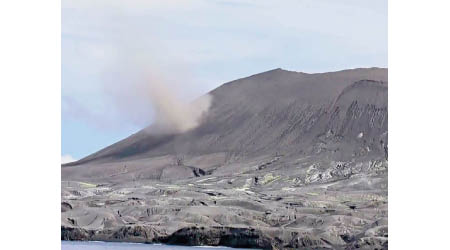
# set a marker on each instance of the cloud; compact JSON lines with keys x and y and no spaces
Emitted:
{"x":67,"y":159}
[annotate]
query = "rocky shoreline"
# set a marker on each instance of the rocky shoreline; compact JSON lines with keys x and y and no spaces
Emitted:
{"x":219,"y":236}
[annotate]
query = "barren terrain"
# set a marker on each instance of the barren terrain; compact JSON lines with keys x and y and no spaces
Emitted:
{"x":282,"y":160}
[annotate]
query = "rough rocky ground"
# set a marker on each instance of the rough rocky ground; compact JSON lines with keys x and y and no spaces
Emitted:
{"x":282,"y":160}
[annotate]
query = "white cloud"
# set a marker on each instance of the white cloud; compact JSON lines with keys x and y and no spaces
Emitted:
{"x":67,"y":159}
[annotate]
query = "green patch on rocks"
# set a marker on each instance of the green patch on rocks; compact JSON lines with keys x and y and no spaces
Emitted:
{"x":269,"y":178}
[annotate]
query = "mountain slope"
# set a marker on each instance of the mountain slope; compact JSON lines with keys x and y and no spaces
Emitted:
{"x":282,"y":160}
{"x":273,"y":111}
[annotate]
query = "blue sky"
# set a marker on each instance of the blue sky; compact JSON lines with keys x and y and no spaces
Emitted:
{"x":193,"y":47}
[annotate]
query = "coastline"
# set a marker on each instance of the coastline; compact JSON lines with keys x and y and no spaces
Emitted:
{"x":216,"y":237}
{"x":71,"y":245}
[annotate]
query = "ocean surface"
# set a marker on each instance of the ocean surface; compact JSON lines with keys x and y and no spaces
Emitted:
{"x":98,"y":245}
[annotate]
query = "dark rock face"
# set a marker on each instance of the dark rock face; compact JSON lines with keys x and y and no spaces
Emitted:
{"x":65,"y":207}
{"x":235,"y":237}
{"x":195,"y":236}
{"x":282,"y":160}
{"x":70,"y":233}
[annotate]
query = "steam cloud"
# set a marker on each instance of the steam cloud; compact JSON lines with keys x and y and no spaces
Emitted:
{"x":174,"y":115}
{"x":133,"y":79}
{"x":144,"y":95}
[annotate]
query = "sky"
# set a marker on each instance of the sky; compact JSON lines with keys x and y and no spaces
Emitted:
{"x":109,"y":48}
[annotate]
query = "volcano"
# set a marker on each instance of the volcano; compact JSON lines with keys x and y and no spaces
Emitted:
{"x":281,"y":159}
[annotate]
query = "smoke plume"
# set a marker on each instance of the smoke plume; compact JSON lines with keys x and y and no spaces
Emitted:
{"x":131,"y":79}
{"x":144,"y":94}
{"x":172,"y":113}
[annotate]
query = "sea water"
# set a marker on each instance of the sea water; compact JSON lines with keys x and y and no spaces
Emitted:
{"x":99,"y":245}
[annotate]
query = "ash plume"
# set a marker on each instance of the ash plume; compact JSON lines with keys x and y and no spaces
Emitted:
{"x":152,"y":99}
{"x":171,"y":113}
{"x":135,"y":79}
{"x":143,"y":93}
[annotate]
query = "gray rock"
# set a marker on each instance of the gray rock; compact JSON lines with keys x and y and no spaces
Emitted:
{"x":281,"y":160}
